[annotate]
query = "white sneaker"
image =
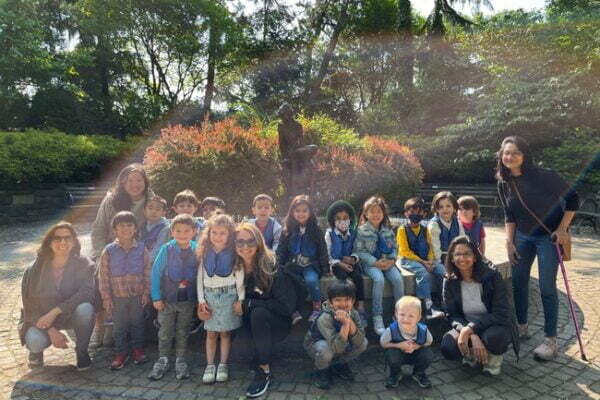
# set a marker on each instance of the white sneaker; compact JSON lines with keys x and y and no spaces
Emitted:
{"x":209,"y":374}
{"x":96,"y":338}
{"x":493,"y":365}
{"x":547,"y":351}
{"x":378,"y":326}
{"x":523,"y":331}
{"x":222,"y":373}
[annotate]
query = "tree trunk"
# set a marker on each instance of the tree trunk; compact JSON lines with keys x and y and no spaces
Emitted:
{"x":407,"y":55}
{"x":213,"y":40}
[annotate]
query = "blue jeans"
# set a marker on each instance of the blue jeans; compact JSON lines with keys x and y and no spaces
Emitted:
{"x":528,"y":247}
{"x":394,"y":276}
{"x":128,"y":318}
{"x":427,"y":282}
{"x":311,"y":277}
{"x":82,"y":321}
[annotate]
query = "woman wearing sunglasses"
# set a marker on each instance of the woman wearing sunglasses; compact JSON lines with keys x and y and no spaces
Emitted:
{"x":58,"y":290}
{"x":270,"y":302}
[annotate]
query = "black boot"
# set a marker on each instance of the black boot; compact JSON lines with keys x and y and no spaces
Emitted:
{"x":322,"y":378}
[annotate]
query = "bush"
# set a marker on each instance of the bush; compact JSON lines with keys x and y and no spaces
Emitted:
{"x":33,"y":158}
{"x":236,"y":163}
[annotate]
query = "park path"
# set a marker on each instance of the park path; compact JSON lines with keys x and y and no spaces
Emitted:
{"x":566,"y":378}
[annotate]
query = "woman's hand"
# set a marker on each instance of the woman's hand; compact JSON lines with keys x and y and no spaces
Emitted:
{"x":479,"y":350}
{"x":57,"y":338}
{"x":237,"y":308}
{"x":204,"y":312}
{"x":463,"y":340}
{"x":561,"y":235}
{"x":513,"y":255}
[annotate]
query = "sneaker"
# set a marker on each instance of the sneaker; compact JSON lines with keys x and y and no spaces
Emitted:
{"x":523,"y":331}
{"x":119,"y":361}
{"x":493,"y":365}
{"x":546,"y":351}
{"x":343,"y":371}
{"x":470,"y":361}
{"x":181,"y":369}
{"x":296,"y":317}
{"x":433,"y":313}
{"x":364,"y":321}
{"x":392,"y":381}
{"x":210,"y":374}
{"x":260,"y":384}
{"x":158,"y":370}
{"x":322,"y":378}
{"x":139,"y":356}
{"x":314,"y":315}
{"x":84,"y":362}
{"x":222,"y":373}
{"x":378,"y":326}
{"x":422,"y":380}
{"x":35,"y":360}
{"x":96,"y":338}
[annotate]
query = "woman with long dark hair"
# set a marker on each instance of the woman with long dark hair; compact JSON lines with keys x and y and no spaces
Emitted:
{"x":57,"y":291}
{"x":538,"y":206}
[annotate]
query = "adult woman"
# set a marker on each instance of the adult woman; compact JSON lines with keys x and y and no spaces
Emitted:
{"x":270,"y":301}
{"x":58,"y":291}
{"x":130,"y":193}
{"x":476,"y":301}
{"x":530,"y":194}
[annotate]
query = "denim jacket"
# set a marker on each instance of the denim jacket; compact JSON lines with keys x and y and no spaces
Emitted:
{"x":366,"y":243}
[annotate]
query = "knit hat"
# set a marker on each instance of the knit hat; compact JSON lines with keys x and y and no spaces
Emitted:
{"x":341,"y":205}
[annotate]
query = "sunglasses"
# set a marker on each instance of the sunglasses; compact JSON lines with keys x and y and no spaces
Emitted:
{"x":65,"y":239}
{"x":245,"y":243}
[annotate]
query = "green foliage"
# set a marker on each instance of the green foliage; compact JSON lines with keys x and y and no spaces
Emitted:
{"x":33,"y":157}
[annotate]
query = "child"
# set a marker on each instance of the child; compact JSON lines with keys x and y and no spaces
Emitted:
{"x":302,"y":243}
{"x":340,"y":238}
{"x":468,"y":215}
{"x":416,"y":253}
{"x":125,"y":288}
{"x":444,"y":226}
{"x":220,"y":292}
{"x":407,"y":341}
{"x":210,"y":205}
{"x":262,"y":208}
{"x":174,"y":295}
{"x":155,"y":223}
{"x":336,"y":335}
{"x":376,"y":249}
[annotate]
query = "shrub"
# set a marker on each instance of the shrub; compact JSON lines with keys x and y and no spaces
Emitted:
{"x":236,"y":163}
{"x":33,"y":158}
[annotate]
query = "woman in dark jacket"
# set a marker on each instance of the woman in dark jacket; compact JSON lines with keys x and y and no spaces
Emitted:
{"x":271,"y":299}
{"x":550,"y":200}
{"x":57,"y":292}
{"x":476,"y":302}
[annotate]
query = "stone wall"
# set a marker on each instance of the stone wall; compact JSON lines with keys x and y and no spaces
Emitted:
{"x":18,"y":206}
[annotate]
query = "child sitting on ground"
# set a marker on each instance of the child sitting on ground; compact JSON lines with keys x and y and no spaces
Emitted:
{"x":262,"y":208}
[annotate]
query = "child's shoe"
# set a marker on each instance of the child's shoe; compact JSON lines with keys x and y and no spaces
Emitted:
{"x":210,"y":374}
{"x":96,"y":338}
{"x":139,"y":356}
{"x":378,"y":326}
{"x":392,"y":380}
{"x":313,"y":315}
{"x":493,"y":365}
{"x":158,"y":370}
{"x":296,"y":317}
{"x":343,"y":371}
{"x":222,"y":373}
{"x":119,"y":361}
{"x":181,"y":369}
{"x":35,"y":360}
{"x":322,"y":378}
{"x":260,"y":384}
{"x":422,"y":380}
{"x":546,"y":351}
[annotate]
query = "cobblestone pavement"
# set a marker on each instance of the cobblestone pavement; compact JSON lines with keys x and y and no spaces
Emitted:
{"x":566,"y":378}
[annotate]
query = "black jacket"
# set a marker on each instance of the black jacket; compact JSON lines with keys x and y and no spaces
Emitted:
{"x":494,"y":297}
{"x":40,"y":294}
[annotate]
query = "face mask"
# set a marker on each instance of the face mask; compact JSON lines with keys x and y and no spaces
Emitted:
{"x":342,"y":225}
{"x":415,"y":218}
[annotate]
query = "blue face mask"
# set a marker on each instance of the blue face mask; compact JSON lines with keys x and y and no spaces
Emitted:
{"x":415,"y":218}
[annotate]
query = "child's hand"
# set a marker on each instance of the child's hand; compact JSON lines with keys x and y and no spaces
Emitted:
{"x":159,"y":305}
{"x":204,"y":312}
{"x":379,"y":264}
{"x":387,"y":264}
{"x":58,"y":339}
{"x":349,"y":260}
{"x":343,"y":317}
{"x":406,"y":346}
{"x":237,"y":308}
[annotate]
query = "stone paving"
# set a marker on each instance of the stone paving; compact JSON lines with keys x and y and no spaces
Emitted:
{"x":566,"y":378}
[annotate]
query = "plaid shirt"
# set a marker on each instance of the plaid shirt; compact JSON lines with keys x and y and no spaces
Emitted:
{"x":123,"y":286}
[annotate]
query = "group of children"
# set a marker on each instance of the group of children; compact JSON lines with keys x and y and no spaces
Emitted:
{"x":186,"y":268}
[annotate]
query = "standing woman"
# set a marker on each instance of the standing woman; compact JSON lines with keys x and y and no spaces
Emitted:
{"x":270,"y":302}
{"x":129,"y":193}
{"x":57,"y":291}
{"x":529,"y":194}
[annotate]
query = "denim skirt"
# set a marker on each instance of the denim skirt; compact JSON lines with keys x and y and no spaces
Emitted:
{"x":220,"y":300}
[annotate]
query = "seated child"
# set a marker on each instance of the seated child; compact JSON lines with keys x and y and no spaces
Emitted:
{"x":407,"y":341}
{"x":469,"y":216}
{"x":339,"y":238}
{"x":416,"y":254}
{"x":209,"y":207}
{"x":262,"y":208}
{"x":174,"y":295}
{"x":444,"y":226}
{"x":125,"y":288}
{"x":155,"y":222}
{"x":336,"y":337}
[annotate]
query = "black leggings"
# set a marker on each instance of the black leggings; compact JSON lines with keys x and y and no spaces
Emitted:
{"x":356,"y":277}
{"x":266,"y":329}
{"x":496,"y":339}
